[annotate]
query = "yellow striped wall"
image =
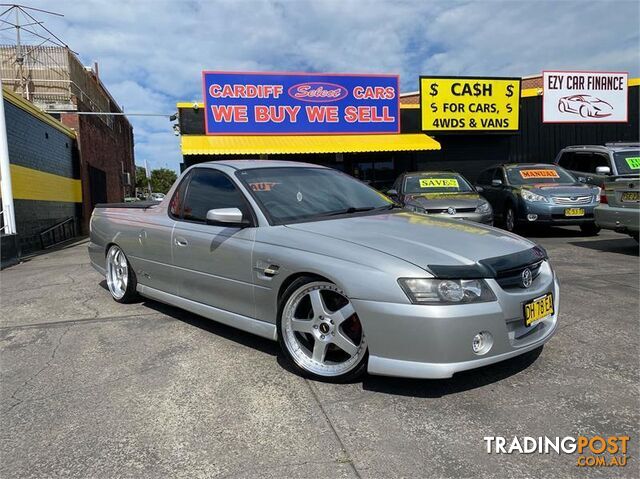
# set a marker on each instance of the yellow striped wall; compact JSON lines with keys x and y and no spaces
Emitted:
{"x":30,"y":184}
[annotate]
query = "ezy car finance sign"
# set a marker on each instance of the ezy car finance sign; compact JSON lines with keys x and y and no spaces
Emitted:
{"x":584,"y":97}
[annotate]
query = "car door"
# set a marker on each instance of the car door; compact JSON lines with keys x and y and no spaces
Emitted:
{"x":154,"y":267}
{"x":212,"y":263}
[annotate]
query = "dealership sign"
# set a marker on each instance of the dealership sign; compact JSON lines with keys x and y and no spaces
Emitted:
{"x":584,"y":97}
{"x":300,"y":103}
{"x":470,"y":105}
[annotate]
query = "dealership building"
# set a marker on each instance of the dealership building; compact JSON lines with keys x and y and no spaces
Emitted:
{"x":379,"y":158}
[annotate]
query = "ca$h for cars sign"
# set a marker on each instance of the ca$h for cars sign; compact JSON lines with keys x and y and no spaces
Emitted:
{"x":300,"y":103}
{"x":584,"y":97}
{"x":471,"y":105}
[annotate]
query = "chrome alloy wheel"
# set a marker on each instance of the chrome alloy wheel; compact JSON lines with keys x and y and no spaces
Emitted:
{"x":117,"y":272}
{"x":510,"y":220}
{"x":321,"y":330}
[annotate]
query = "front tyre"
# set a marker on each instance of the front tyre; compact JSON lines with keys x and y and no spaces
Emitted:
{"x":121,"y":279}
{"x":320,"y":332}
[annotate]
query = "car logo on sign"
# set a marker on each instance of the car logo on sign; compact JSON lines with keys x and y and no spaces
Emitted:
{"x":318,"y":92}
{"x":451,"y":211}
{"x":527,"y":278}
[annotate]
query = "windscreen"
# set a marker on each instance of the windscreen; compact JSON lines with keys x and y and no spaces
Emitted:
{"x":529,"y":175}
{"x":305,"y":194}
{"x":436,"y":183}
{"x":627,"y":162}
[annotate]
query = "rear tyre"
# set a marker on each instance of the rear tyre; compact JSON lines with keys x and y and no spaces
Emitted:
{"x":509,"y":222}
{"x":590,"y":229}
{"x":320,"y":332}
{"x":121,"y":278}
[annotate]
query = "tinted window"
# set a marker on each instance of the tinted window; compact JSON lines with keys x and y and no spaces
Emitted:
{"x":485,"y":177}
{"x":210,"y":189}
{"x":175,"y":206}
{"x":567,"y":160}
{"x":627,"y":161}
{"x":498,"y":175}
{"x":303,"y":194}
{"x":587,"y":162}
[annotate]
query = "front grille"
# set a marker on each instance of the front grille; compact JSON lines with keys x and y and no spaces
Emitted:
{"x":512,"y":278}
{"x":444,"y":210}
{"x":572,"y":200}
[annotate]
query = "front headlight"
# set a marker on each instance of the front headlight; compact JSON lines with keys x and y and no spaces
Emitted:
{"x":483,"y":208}
{"x":446,"y":291}
{"x":529,"y":196}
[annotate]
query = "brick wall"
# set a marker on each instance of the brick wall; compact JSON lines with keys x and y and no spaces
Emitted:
{"x":107,"y":148}
{"x":34,"y":144}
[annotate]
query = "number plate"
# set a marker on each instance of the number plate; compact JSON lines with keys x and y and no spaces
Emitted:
{"x":537,"y":309}
{"x":630,"y":196}
{"x":574,"y":212}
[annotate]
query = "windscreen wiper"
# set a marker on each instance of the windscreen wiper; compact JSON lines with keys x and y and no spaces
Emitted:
{"x":346,"y":211}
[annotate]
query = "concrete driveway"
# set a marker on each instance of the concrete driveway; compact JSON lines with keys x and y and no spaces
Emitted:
{"x":93,"y":388}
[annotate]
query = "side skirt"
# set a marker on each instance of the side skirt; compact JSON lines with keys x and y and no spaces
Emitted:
{"x":254,"y":326}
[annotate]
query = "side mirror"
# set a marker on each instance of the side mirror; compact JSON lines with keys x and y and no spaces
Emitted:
{"x":603,"y":170}
{"x":479,"y":189}
{"x":226,"y":217}
{"x":392,"y":193}
{"x":496,"y":182}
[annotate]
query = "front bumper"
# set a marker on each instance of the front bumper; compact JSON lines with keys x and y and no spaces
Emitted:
{"x":623,"y":220}
{"x":420,"y":341}
{"x":552,"y":214}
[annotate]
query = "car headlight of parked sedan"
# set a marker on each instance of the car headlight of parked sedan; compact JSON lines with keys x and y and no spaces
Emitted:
{"x":533,"y":197}
{"x":446,"y":291}
{"x":484,"y":208}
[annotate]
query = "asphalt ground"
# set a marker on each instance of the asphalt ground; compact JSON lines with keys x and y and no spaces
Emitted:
{"x":93,"y":388}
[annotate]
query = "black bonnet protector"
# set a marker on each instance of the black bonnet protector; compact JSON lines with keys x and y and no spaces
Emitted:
{"x":490,"y":267}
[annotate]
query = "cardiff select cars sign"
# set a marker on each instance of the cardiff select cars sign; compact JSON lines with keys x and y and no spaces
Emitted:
{"x":300,"y":103}
{"x":469,"y":105}
{"x":584,"y":97}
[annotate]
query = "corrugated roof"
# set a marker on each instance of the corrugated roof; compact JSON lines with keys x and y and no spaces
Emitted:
{"x":265,"y":145}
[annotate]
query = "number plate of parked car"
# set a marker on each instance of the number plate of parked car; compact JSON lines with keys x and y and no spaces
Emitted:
{"x":630,"y":196}
{"x":537,"y":309}
{"x":574,"y":212}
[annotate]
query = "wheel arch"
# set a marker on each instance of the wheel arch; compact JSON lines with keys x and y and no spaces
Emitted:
{"x":294,"y":276}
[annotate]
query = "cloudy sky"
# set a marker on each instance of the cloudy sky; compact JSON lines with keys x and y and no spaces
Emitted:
{"x":151,"y":52}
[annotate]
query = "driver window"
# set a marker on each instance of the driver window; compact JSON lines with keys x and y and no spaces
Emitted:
{"x":210,"y":189}
{"x":499,"y":175}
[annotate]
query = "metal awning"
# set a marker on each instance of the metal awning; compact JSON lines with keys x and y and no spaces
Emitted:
{"x":265,"y":145}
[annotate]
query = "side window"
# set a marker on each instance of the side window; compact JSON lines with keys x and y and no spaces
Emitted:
{"x":210,"y":189}
{"x":484,"y":178}
{"x":499,"y":175}
{"x":177,"y":201}
{"x":567,"y":160}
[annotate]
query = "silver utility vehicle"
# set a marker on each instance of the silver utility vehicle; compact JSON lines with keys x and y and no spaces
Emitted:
{"x":332,"y":269}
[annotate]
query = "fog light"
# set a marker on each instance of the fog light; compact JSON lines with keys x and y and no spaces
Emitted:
{"x":482,"y":342}
{"x":532,"y":217}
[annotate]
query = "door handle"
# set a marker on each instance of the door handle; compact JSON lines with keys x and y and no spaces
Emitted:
{"x":180,"y":242}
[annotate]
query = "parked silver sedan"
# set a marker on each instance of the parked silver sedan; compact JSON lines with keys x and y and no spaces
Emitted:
{"x":330,"y":268}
